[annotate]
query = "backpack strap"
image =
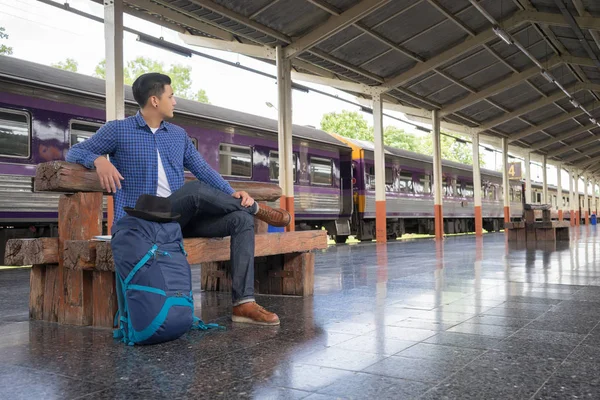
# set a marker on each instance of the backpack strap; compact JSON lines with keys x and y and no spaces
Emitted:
{"x":140,"y":264}
{"x":199,"y":325}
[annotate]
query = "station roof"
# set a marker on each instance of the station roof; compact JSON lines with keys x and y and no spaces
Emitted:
{"x":432,"y":55}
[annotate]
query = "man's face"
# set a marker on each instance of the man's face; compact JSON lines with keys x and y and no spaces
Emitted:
{"x":166,"y":102}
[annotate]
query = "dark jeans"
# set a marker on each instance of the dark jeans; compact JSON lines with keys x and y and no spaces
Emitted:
{"x":208,"y":212}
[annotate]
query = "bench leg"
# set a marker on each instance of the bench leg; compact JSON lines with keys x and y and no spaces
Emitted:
{"x":37,"y":282}
{"x":302,"y":282}
{"x":79,"y":218}
{"x":104,"y":298}
{"x":52,"y":291}
{"x":216,"y":276}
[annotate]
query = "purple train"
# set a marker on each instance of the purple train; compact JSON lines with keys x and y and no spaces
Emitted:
{"x":43,"y":111}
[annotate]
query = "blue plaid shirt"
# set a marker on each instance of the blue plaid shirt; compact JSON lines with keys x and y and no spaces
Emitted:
{"x":132,"y":146}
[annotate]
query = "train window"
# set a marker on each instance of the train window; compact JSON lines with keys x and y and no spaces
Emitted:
{"x":426,"y":183}
{"x":468,"y":191}
{"x":274,"y":165}
{"x":538,"y":198}
{"x":82,"y":130}
{"x":235,"y":160}
{"x":406,"y":182}
{"x":489,"y":192}
{"x":320,"y":171}
{"x":14,"y":133}
{"x":447,"y":188}
{"x":517,"y":195}
{"x":389,"y":176}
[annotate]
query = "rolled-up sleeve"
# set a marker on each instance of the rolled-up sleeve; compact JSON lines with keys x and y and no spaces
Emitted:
{"x":104,"y":141}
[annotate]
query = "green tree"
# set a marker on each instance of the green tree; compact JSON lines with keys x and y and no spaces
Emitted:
{"x":452,"y":150}
{"x":68,"y":65}
{"x":3,"y":48}
{"x":180,"y":76}
{"x":396,"y":137}
{"x":350,"y":124}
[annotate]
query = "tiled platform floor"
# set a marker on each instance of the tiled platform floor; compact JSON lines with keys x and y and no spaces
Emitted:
{"x":471,"y":320}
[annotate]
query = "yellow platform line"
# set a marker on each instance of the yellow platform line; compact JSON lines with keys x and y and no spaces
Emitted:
{"x":14,"y":267}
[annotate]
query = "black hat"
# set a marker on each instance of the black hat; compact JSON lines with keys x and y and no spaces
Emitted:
{"x":152,"y":208}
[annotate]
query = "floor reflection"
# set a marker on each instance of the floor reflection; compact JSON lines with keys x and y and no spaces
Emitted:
{"x":464,"y":318}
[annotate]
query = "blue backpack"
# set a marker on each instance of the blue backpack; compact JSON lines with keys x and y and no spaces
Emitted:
{"x":154,"y":282}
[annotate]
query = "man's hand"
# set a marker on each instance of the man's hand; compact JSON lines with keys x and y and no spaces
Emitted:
{"x":247,"y":201}
{"x":110,"y":178}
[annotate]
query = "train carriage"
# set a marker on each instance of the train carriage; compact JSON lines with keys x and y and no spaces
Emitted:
{"x":44,"y":111}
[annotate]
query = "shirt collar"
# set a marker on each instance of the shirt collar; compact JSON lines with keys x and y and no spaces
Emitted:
{"x":142,"y":122}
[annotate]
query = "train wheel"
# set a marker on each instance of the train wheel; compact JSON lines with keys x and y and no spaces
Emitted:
{"x":341,"y":239}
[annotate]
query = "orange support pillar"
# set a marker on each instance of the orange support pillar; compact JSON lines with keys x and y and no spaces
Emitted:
{"x":477,"y":187}
{"x":437,"y":177}
{"x":379,"y":159}
{"x":560,"y":215}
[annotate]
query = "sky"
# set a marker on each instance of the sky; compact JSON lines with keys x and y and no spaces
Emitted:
{"x":47,"y":35}
{"x":44,"y":34}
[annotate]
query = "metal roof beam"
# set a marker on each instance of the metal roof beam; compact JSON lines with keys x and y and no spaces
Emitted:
{"x":250,"y":50}
{"x":559,"y":20}
{"x":547,"y":124}
{"x":571,"y":146}
{"x":513,"y":80}
{"x":335,"y":83}
{"x":451,"y":17}
{"x":559,"y":138}
{"x":164,"y":9}
{"x":470,"y":43}
{"x":219,"y":9}
{"x":583,"y":154}
{"x":529,"y":107}
{"x":583,"y":164}
{"x":333,"y":25}
{"x":505,"y":84}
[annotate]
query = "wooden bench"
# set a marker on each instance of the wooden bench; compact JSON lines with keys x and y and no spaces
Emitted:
{"x":530,"y":230}
{"x":72,"y":277}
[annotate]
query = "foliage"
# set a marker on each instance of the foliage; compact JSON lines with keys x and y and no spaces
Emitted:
{"x":180,"y":76}
{"x":3,"y":48}
{"x":68,"y":65}
{"x":352,"y":124}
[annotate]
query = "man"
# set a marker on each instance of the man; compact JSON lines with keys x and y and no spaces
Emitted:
{"x":148,"y":156}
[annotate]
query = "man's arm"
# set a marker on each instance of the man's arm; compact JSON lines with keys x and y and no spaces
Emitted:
{"x":102,"y":142}
{"x":198,"y":166}
{"x":89,"y":154}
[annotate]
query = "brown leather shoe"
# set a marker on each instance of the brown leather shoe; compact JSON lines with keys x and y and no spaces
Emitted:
{"x":273,"y":216}
{"x":252,"y":313}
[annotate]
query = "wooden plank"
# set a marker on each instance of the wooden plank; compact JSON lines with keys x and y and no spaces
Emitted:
{"x":514,"y":225}
{"x":104,"y":298}
{"x":529,"y":216}
{"x":37,"y":282}
{"x":302,"y":265}
{"x":80,"y":254}
{"x":31,"y":251}
{"x":52,"y":294}
{"x":203,"y":250}
{"x":61,"y":176}
{"x":546,"y":216}
{"x":79,"y":218}
{"x":550,"y":224}
{"x":104,"y":257}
